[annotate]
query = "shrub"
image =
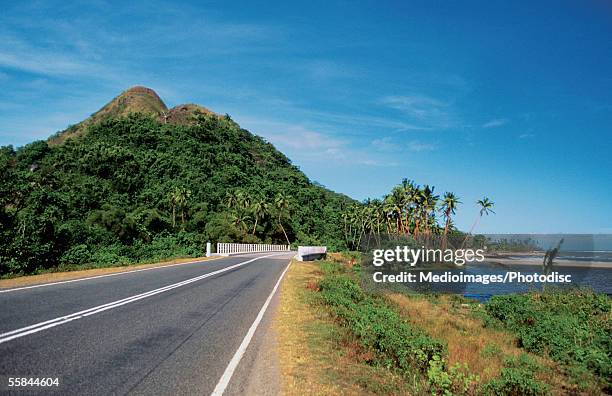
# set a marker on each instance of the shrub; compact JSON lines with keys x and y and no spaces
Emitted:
{"x":379,"y":327}
{"x":76,"y":255}
{"x":455,"y":380}
{"x":491,"y":350}
{"x":571,"y":327}
{"x":516,"y":378}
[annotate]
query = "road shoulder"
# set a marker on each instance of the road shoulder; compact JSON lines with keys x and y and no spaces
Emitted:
{"x":51,"y":277}
{"x":315,"y":354}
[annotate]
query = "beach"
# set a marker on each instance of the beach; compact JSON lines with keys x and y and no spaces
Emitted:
{"x":537,"y":258}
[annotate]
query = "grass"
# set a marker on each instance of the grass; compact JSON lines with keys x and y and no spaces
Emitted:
{"x":482,"y":349}
{"x":339,"y":339}
{"x":317,"y":355}
{"x":487,"y":351}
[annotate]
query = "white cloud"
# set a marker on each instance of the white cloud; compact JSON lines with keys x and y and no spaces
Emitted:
{"x":302,"y":143}
{"x":421,"y":146}
{"x":497,"y":122}
{"x":387,"y":144}
{"x":427,"y":112}
{"x":296,"y":137}
{"x":526,"y":135}
{"x":418,"y":106}
{"x":384,"y":144}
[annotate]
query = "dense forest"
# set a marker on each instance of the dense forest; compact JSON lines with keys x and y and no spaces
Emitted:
{"x":128,"y":186}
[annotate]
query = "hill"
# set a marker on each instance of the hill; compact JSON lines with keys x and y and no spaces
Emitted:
{"x":137,"y":99}
{"x":137,"y":181}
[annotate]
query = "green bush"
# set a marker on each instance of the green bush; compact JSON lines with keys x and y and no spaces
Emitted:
{"x":379,"y":327}
{"x":516,"y":378}
{"x":455,"y":380}
{"x":571,"y":327}
{"x":76,"y":255}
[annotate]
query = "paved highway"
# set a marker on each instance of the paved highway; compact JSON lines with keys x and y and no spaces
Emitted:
{"x":172,"y":330}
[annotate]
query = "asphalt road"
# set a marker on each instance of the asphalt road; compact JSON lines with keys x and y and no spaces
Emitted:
{"x":164,"y":331}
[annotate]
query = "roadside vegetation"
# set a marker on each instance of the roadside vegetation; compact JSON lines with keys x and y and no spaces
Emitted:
{"x":573,"y":328}
{"x":316,"y":355}
{"x":444,"y":344}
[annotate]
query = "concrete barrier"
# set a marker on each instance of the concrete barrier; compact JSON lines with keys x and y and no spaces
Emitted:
{"x":306,"y":253}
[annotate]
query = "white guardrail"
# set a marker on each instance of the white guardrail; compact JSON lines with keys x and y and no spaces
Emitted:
{"x":225,"y":249}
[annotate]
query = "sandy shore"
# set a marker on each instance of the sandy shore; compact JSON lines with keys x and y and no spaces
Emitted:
{"x":512,"y":259}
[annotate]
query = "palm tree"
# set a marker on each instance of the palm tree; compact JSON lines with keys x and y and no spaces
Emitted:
{"x":347,"y":226}
{"x":409,"y":189}
{"x":428,"y":205}
{"x":260,"y":210}
{"x":178,"y":199}
{"x":449,"y":205}
{"x":418,"y":196}
{"x":486,"y":206}
{"x":282,"y":205}
{"x":243,"y":200}
{"x":389,"y":211}
{"x":231,"y":199}
{"x":398,"y":199}
{"x":377,"y":217}
{"x":185,"y":195}
{"x":240,"y":219}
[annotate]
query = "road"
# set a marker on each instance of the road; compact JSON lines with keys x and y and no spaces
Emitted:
{"x":169,"y":330}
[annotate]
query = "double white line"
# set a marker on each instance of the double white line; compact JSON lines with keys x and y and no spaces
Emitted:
{"x":35,"y":328}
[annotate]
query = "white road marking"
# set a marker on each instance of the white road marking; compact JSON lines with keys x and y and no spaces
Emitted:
{"x":35,"y":328}
{"x":233,"y":364}
{"x":100,"y":276}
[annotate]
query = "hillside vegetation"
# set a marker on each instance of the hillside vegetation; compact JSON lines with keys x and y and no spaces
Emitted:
{"x":138,"y":182}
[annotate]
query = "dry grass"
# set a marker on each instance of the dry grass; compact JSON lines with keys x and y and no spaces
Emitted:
{"x":316,"y":355}
{"x":484,"y":349}
{"x":69,"y":275}
{"x":300,"y":368}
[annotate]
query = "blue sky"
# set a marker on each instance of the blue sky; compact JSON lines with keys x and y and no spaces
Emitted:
{"x":512,"y":100}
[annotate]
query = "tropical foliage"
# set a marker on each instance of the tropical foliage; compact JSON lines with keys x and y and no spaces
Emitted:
{"x":408,"y":210}
{"x":134,"y":188}
{"x":571,"y":327}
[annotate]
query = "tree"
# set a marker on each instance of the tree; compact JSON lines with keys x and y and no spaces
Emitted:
{"x":398,"y":200}
{"x":260,"y":210}
{"x":282,"y":206}
{"x":449,"y":205}
{"x":428,"y":205}
{"x":240,"y":219}
{"x":178,"y":200}
{"x":486,"y":206}
{"x":231,"y":199}
{"x":378,"y":216}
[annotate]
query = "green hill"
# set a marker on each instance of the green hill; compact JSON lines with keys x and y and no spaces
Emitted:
{"x":137,"y":181}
